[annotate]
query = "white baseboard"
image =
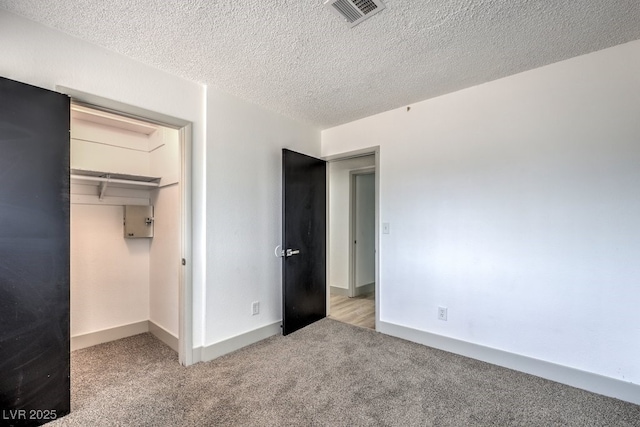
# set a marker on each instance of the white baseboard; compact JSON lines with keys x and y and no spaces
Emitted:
{"x":365,"y":289}
{"x":196,"y":355}
{"x":210,"y":352}
{"x":106,"y":335}
{"x":360,"y":290}
{"x":595,"y":383}
{"x":334,"y":290}
{"x":124,"y":331}
{"x":163,"y":335}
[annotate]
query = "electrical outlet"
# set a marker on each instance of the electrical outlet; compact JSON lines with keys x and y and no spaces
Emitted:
{"x":442,"y":313}
{"x":255,"y":308}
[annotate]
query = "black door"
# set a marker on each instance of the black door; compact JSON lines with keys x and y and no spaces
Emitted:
{"x":304,"y":286}
{"x":34,"y":254}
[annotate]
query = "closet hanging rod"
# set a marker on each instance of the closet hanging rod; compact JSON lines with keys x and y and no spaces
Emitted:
{"x":114,"y":180}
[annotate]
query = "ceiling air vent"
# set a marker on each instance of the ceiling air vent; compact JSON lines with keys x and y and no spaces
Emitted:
{"x":355,"y":11}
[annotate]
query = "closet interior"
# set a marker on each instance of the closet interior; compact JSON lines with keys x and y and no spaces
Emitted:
{"x":124,"y":281}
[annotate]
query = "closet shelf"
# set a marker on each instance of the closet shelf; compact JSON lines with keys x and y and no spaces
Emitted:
{"x":105,"y":179}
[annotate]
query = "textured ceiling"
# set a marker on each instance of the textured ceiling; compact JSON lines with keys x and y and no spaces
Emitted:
{"x":299,"y":59}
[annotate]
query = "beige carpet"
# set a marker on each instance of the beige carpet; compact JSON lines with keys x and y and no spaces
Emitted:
{"x":328,"y":374}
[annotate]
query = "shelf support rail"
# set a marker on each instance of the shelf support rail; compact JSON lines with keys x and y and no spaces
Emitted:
{"x":106,"y":180}
{"x":103,"y":187}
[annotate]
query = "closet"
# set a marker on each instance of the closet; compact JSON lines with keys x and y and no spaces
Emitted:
{"x":123,"y":284}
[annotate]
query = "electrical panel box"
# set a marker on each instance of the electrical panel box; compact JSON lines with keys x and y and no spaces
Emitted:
{"x":138,"y":221}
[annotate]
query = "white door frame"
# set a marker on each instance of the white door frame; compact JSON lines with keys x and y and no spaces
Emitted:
{"x":185,"y":296}
{"x":350,"y":155}
{"x":368,"y":170}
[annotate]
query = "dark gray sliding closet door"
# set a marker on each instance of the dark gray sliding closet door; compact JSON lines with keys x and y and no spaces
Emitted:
{"x":34,"y":254}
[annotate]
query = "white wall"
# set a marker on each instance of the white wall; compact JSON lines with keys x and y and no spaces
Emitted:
{"x":109,"y":274}
{"x":97,"y":147}
{"x":244,"y":194}
{"x":108,"y":148}
{"x":339,"y":199}
{"x":165,"y":157}
{"x":515,"y":204}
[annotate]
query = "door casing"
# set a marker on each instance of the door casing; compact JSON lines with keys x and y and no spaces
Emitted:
{"x":185,"y":294}
{"x":353,"y":220}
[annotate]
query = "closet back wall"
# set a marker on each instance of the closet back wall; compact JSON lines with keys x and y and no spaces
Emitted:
{"x":109,"y":274}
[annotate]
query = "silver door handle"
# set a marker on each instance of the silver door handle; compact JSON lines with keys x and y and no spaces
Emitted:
{"x":292,"y":252}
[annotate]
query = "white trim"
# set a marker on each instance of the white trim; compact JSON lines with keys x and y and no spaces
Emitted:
{"x":377,"y":220}
{"x":327,"y":240}
{"x":112,"y":334}
{"x":197,"y":355}
{"x":235,"y":343}
{"x":365,"y":289}
{"x":106,"y":335}
{"x":352,"y":154}
{"x":85,"y":99}
{"x":185,"y":279}
{"x":335,"y":290}
{"x":589,"y":381}
{"x":366,"y":170}
{"x":163,"y":335}
{"x":100,"y":179}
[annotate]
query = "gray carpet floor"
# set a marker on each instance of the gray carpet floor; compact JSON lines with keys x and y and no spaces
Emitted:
{"x":328,"y":374}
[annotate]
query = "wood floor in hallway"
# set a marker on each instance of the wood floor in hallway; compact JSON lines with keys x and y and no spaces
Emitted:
{"x":359,"y":311}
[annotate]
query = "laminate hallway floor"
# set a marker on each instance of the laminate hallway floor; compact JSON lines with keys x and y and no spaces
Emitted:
{"x":358,"y":311}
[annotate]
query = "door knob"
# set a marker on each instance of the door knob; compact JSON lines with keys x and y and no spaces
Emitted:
{"x":292,"y":252}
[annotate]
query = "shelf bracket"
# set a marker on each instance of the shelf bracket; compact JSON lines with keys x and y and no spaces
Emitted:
{"x":103,"y":187}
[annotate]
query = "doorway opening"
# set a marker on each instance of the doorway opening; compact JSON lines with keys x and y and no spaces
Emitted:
{"x":124,"y":283}
{"x":352,"y":240}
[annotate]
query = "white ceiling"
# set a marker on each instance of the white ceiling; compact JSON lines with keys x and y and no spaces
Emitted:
{"x":299,"y":59}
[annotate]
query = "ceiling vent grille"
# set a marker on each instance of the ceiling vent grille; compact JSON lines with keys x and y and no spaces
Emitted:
{"x":355,"y":11}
